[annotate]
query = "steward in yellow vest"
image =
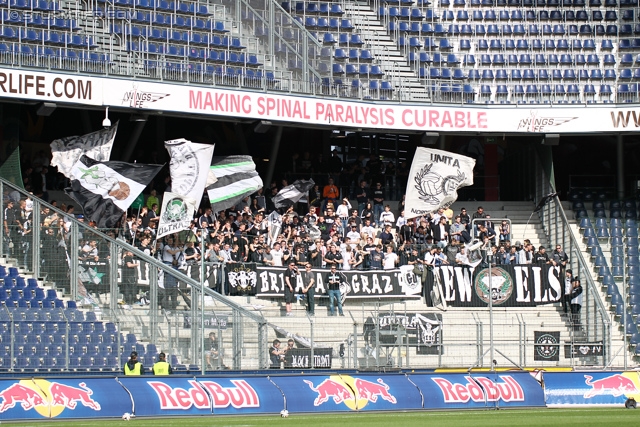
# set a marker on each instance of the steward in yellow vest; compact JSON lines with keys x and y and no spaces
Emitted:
{"x":162,"y":367}
{"x":133,"y":367}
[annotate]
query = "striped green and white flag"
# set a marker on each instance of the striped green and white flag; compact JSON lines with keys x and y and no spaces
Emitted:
{"x":236,"y":178}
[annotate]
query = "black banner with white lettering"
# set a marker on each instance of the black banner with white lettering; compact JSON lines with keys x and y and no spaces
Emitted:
{"x":242,"y":278}
{"x":547,"y":346}
{"x":398,"y":283}
{"x":583,"y":349}
{"x":301,"y":358}
{"x":423,"y":331}
{"x":511,"y":286}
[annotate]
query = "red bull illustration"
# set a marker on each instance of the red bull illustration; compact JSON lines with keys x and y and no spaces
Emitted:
{"x":69,"y":397}
{"x":49,"y":399}
{"x":330,"y":389}
{"x":370,"y":390}
{"x":18,"y":393}
{"x":616,"y":385}
{"x":355,"y":393}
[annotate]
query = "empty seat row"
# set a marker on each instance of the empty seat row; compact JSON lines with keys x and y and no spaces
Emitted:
{"x":507,"y":30}
{"x":187,"y":8}
{"x":359,"y":55}
{"x":312,"y":8}
{"x":534,"y":3}
{"x":373,"y":71}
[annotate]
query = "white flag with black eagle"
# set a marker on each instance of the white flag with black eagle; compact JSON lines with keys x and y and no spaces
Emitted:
{"x":95,"y":145}
{"x":236,"y":178}
{"x":434,"y":180}
{"x":176,"y":214}
{"x":189,"y":167}
{"x":105,"y":190}
{"x":293,"y":193}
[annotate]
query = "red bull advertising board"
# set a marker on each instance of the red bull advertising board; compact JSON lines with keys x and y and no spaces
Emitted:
{"x":62,"y":398}
{"x":473,"y":391}
{"x":591,"y":388}
{"x":155,"y":396}
{"x":364,"y":392}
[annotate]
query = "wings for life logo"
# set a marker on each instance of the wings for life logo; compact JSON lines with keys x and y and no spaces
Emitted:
{"x":48,"y":399}
{"x":354,"y":393}
{"x":137,"y":98}
{"x":536,"y":123}
{"x":500,"y":283}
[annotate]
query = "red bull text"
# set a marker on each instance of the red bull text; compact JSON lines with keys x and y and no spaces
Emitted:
{"x":240,"y":396}
{"x":508,"y":390}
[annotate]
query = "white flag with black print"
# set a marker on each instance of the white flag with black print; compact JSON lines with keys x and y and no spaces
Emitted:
{"x":176,"y":214}
{"x":275,"y":225}
{"x":105,"y":190}
{"x":293,"y":193}
{"x":434,"y":180}
{"x":96,"y":145}
{"x":189,"y":167}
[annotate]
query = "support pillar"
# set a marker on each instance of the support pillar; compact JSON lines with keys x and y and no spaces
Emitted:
{"x":133,"y":140}
{"x":275,"y":147}
{"x":620,"y":168}
{"x":491,"y":179}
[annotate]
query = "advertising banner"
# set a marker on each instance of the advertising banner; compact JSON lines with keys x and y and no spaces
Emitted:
{"x":301,"y":358}
{"x":349,"y":393}
{"x":583,"y":349}
{"x":511,"y":285}
{"x":62,"y":398}
{"x":161,"y":396}
{"x":355,"y":283}
{"x":504,"y":389}
{"x":591,"y":388}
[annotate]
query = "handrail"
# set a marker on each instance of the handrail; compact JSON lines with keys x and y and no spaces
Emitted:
{"x":144,"y":257}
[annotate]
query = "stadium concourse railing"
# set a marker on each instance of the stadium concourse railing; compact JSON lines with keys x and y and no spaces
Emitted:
{"x":85,"y":265}
{"x":594,"y":314}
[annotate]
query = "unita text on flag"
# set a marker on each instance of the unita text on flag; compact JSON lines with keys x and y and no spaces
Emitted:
{"x":434,"y":180}
{"x":105,"y":190}
{"x":236,"y":177}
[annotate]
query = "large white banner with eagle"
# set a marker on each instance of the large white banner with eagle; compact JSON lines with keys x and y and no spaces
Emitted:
{"x":434,"y":180}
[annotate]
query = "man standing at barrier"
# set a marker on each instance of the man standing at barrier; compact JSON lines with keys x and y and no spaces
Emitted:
{"x":133,"y":367}
{"x":333,"y":279}
{"x":290,"y":279}
{"x":162,"y":367}
{"x":566,"y":294}
{"x":576,"y":303}
{"x":308,"y":288}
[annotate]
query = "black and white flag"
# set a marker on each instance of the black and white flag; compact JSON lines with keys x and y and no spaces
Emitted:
{"x":95,"y":145}
{"x":434,"y":179}
{"x":105,"y":190}
{"x":176,"y":214}
{"x":236,"y":177}
{"x":274,"y":223}
{"x":189,"y":167}
{"x":292,"y":193}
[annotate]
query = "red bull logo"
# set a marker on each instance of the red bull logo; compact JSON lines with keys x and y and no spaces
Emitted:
{"x":355,"y":393}
{"x":508,"y":390}
{"x":49,"y":399}
{"x":241,"y":395}
{"x":615,"y":385}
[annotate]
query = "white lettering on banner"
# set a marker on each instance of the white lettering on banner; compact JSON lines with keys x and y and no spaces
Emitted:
{"x":240,"y":396}
{"x":508,"y":391}
{"x":450,"y":276}
{"x":522,"y":284}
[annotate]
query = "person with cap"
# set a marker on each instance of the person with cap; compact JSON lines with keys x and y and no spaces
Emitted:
{"x":133,"y":367}
{"x":290,"y":279}
{"x":162,"y":367}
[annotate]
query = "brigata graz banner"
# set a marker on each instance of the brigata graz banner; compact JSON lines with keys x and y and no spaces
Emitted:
{"x":511,"y":286}
{"x":355,"y":284}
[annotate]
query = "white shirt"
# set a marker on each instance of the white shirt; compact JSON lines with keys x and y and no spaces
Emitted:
{"x":462,"y":258}
{"x":354,"y":237}
{"x":277,"y":257}
{"x":343,"y":210}
{"x":389,"y":262}
{"x":346,"y":256}
{"x":401,"y":221}
{"x":387,"y":217}
{"x":369,"y":231}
